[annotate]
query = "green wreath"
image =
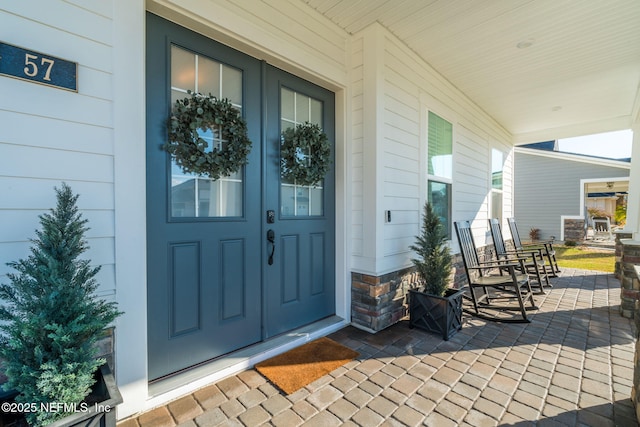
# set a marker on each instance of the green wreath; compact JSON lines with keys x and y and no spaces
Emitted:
{"x":305,"y":154}
{"x":192,"y":153}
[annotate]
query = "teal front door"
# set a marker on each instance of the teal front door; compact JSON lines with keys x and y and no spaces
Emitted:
{"x":300,"y":283}
{"x":234,"y":261}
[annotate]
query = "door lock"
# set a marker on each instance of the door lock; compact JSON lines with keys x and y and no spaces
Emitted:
{"x":271,"y":216}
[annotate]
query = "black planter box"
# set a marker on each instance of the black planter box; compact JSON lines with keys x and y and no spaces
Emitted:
{"x":101,"y":413}
{"x":436,"y":314}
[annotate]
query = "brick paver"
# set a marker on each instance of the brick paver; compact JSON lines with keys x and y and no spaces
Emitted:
{"x":209,"y":397}
{"x":286,"y":419}
{"x":159,"y":417}
{"x":571,"y":366}
{"x":185,"y":409}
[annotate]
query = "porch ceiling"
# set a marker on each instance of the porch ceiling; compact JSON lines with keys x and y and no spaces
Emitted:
{"x":579,"y":74}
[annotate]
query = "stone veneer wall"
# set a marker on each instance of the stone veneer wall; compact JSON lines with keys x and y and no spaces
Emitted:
{"x":627,"y":269}
{"x":620,"y":236}
{"x":574,"y":230}
{"x":628,"y":272}
{"x":635,"y":389}
{"x":378,"y":302}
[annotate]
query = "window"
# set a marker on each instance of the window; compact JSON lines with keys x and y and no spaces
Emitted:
{"x":440,"y":167}
{"x":497,"y":165}
{"x":195,"y":195}
{"x":298,"y":200}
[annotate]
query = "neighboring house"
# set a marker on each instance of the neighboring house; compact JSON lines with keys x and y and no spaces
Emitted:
{"x":552,"y":188}
{"x":189,"y":260}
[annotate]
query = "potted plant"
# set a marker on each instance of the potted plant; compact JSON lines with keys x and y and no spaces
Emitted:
{"x":433,"y":305}
{"x":50,"y":323}
{"x":534,"y":234}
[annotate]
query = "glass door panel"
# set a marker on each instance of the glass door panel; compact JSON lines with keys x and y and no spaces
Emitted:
{"x":298,"y":200}
{"x":194,"y":195}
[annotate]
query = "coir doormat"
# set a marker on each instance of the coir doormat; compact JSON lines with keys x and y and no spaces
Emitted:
{"x":296,"y":368}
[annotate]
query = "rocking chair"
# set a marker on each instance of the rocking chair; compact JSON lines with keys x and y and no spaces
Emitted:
{"x":546,"y":246}
{"x":492,"y":283}
{"x":533,"y":259}
{"x":601,"y":228}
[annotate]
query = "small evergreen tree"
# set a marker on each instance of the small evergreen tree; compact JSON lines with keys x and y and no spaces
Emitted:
{"x":434,"y":262}
{"x":51,"y":321}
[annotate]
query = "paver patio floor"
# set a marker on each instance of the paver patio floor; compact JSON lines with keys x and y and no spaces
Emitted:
{"x":571,"y":366}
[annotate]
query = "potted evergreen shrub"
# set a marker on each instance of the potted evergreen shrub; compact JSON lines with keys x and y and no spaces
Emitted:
{"x":50,"y":322}
{"x":433,"y":305}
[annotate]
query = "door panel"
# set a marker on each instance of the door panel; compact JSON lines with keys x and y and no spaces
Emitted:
{"x":233,"y":286}
{"x":202,"y":277}
{"x":318,"y":262}
{"x":300,"y":285}
{"x":290,"y":274}
{"x":184,"y":282}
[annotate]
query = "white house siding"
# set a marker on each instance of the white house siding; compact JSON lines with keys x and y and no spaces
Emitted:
{"x":633,"y":203}
{"x":286,"y":33}
{"x":547,"y":186}
{"x":357,"y":146}
{"x":400,"y":159}
{"x":389,"y":151}
{"x":471,"y":186}
{"x":94,"y":141}
{"x":51,"y":135}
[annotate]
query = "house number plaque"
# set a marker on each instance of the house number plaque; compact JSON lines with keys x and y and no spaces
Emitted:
{"x":38,"y":67}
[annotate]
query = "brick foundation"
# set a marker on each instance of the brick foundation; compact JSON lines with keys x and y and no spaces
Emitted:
{"x":378,"y":302}
{"x":574,"y":230}
{"x":620,"y":236}
{"x":627,"y":271}
{"x":635,"y":389}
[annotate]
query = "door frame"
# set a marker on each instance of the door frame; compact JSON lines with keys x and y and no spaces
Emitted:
{"x":130,"y":242}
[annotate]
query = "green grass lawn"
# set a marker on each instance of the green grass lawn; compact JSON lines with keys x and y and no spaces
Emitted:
{"x":585,"y":258}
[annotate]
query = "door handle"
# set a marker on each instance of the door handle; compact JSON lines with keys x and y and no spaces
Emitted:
{"x":271,"y":238}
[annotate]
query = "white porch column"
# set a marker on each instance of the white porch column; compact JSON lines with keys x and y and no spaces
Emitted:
{"x":372,"y":137}
{"x":130,"y":202}
{"x":633,"y":201}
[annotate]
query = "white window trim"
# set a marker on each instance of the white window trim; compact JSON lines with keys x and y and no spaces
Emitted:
{"x":429,"y":104}
{"x":495,"y":190}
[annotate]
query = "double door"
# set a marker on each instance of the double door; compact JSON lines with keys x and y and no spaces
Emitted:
{"x":237,"y":260}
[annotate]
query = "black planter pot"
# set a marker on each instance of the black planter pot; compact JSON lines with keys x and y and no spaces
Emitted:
{"x":98,"y":411}
{"x":436,"y":314}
